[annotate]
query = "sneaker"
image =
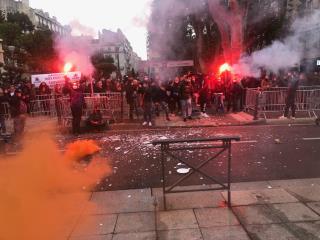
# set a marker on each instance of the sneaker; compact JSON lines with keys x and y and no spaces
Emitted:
{"x":282,"y":117}
{"x":144,"y":123}
{"x":150,"y":124}
{"x":205,"y":115}
{"x":293,"y":118}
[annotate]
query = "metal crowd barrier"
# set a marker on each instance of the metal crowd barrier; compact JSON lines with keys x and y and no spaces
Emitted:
{"x":168,"y":147}
{"x":111,"y":104}
{"x":274,"y":100}
{"x":6,"y":108}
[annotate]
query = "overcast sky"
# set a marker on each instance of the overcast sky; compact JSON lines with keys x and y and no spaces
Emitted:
{"x":92,"y":15}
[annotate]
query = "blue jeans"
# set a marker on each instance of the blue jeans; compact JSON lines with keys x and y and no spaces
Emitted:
{"x":186,"y":107}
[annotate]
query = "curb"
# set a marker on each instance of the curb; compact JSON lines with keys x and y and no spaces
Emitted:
{"x":259,"y":122}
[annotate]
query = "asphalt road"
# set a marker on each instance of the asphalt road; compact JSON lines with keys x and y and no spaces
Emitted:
{"x":264,"y":153}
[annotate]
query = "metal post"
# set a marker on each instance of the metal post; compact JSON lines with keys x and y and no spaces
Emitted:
{"x":229,"y":174}
{"x":163,"y":147}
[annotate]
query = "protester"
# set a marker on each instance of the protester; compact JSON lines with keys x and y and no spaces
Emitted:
{"x":132,"y":97}
{"x":174,"y":99}
{"x":236,"y":95}
{"x":95,"y":120}
{"x":57,"y":101}
{"x":196,"y":85}
{"x":161,"y":99}
{"x":186,"y":94}
{"x":204,"y":99}
{"x":18,"y":111}
{"x":147,"y":99}
{"x":67,"y":87}
{"x":293,"y":85}
{"x":265,"y":83}
{"x":76,"y":103}
{"x":44,"y":96}
{"x":98,"y":87}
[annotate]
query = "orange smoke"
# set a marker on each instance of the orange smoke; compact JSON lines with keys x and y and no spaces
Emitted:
{"x":80,"y":149}
{"x":43,"y":193}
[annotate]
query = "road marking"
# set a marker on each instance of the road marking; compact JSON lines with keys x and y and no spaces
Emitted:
{"x":249,"y":141}
{"x":311,"y":139}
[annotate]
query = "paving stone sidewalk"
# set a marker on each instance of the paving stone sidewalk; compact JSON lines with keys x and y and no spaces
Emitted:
{"x":273,"y":210}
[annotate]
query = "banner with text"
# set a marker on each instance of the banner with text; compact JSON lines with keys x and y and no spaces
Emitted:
{"x":55,"y":78}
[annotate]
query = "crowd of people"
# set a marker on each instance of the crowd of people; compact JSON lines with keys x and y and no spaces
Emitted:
{"x":146,"y":97}
{"x":181,"y":96}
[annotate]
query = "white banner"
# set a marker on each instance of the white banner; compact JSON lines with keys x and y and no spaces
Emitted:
{"x":185,"y":63}
{"x":55,"y":78}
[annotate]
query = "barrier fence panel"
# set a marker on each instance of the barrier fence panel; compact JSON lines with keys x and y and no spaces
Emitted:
{"x":111,"y":104}
{"x":274,"y":100}
{"x":172,"y":148}
{"x":43,"y":107}
{"x":6,"y":109}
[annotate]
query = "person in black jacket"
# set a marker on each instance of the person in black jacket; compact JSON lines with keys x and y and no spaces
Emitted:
{"x":204,"y":99}
{"x":76,"y":103}
{"x":147,"y":100}
{"x":186,"y":94}
{"x":293,"y":85}
{"x":174,"y":101}
{"x":161,"y":99}
{"x":44,"y":95}
{"x":132,"y":89}
{"x":18,"y":110}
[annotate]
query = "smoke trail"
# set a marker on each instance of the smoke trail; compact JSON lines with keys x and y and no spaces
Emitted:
{"x":77,"y":50}
{"x":43,"y":192}
{"x":282,"y":54}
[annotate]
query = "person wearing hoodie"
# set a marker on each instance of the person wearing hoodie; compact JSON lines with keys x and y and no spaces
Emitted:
{"x":76,"y":103}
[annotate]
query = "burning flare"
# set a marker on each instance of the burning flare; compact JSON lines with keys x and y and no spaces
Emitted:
{"x":225,"y":67}
{"x":67,"y":67}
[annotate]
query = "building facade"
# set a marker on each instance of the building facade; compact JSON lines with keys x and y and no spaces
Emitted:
{"x":12,"y":6}
{"x":42,"y":20}
{"x":39,"y":18}
{"x":117,"y":46}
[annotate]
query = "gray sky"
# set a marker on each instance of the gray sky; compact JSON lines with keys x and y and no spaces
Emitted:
{"x":90,"y":16}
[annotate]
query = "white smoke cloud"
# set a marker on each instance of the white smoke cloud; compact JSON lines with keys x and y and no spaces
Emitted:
{"x":76,"y":50}
{"x":281,"y":54}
